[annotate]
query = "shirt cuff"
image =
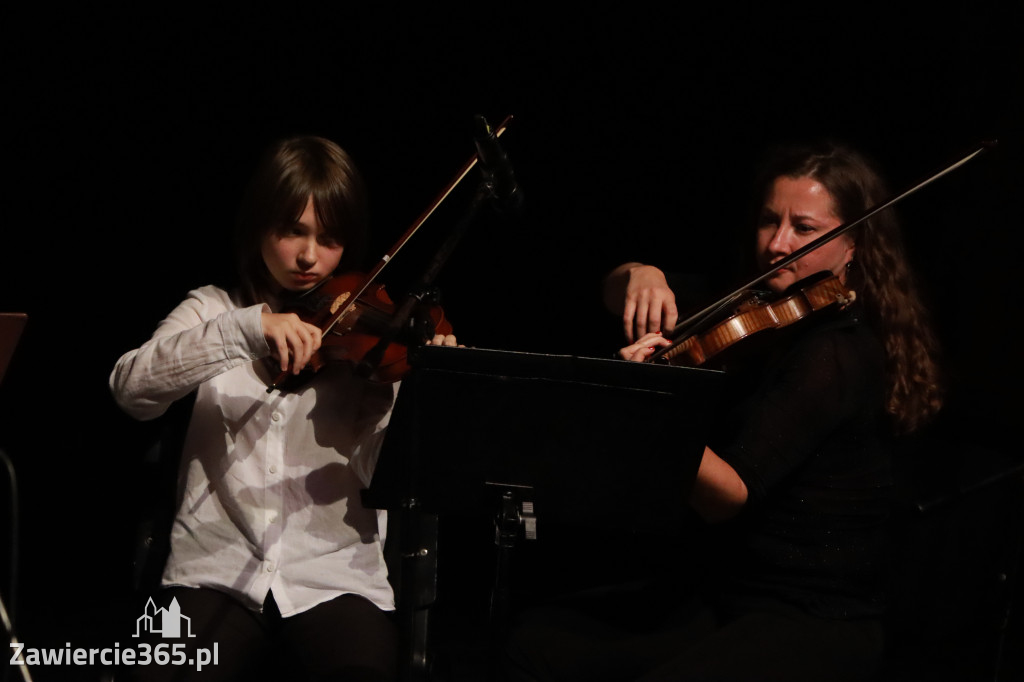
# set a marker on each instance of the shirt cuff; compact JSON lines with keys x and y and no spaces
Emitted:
{"x":250,"y":332}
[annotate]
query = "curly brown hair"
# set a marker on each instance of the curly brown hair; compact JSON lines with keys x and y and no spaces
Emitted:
{"x":879,"y":273}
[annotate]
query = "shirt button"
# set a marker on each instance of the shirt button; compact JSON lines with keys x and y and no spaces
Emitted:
{"x":270,"y":567}
{"x":276,"y":416}
{"x":273,"y":469}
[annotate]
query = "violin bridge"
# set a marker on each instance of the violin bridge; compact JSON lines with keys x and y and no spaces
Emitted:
{"x":340,"y":301}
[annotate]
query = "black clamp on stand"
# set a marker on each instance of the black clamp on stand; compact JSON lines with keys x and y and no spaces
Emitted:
{"x":514,"y":518}
{"x":484,"y":432}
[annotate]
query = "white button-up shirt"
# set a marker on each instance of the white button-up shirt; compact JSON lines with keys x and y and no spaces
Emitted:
{"x":270,"y":483}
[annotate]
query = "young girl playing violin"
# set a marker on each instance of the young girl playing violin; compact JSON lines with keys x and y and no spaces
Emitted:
{"x":798,"y":470}
{"x":271,"y":551}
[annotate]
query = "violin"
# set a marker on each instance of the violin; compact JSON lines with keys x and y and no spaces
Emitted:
{"x":755,"y":314}
{"x":360,"y":324}
{"x":368,"y":329}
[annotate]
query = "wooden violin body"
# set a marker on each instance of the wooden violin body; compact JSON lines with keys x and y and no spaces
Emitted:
{"x":754,"y":315}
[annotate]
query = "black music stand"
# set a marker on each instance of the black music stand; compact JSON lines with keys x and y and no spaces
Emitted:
{"x":585,"y":440}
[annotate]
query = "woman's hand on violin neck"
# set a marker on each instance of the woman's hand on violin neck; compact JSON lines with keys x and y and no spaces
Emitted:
{"x":642,"y":349}
{"x":292,"y":342}
{"x":648,"y":304}
{"x":443,"y":340}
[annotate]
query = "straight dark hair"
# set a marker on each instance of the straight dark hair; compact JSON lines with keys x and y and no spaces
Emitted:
{"x":290,"y":172}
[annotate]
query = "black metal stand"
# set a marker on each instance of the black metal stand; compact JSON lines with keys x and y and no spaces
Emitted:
{"x":585,"y":440}
{"x":417,"y":585}
{"x":515,"y":517}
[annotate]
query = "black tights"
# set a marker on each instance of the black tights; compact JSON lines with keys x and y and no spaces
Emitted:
{"x":347,"y":638}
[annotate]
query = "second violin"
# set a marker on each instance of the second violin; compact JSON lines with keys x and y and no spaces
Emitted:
{"x":755,"y":314}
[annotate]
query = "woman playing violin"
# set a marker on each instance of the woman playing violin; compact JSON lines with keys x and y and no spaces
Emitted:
{"x":798,"y":471}
{"x":271,"y":551}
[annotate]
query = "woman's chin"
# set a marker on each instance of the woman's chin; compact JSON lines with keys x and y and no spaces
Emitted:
{"x":780,"y":281}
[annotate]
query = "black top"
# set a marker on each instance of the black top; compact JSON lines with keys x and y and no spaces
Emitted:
{"x":807,"y":440}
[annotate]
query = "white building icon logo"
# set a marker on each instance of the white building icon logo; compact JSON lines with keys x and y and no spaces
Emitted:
{"x":165,"y":622}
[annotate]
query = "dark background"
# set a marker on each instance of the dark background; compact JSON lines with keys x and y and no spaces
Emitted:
{"x":129,"y":137}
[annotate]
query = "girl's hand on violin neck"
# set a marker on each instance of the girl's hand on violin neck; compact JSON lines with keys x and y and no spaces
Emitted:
{"x":292,"y":342}
{"x":650,"y":305}
{"x":443,"y":340}
{"x":642,"y":349}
